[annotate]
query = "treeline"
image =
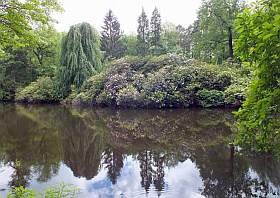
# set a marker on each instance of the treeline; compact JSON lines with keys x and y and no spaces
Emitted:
{"x":210,"y":38}
{"x":29,"y":53}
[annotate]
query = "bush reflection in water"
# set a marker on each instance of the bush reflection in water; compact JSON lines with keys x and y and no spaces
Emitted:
{"x":34,"y":140}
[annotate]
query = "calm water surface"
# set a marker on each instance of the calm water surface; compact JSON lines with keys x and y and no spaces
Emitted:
{"x":129,"y":153}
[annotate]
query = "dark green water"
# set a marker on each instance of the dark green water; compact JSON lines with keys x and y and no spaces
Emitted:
{"x":129,"y":153}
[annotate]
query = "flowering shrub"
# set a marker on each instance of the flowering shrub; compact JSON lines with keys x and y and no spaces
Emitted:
{"x":162,"y":81}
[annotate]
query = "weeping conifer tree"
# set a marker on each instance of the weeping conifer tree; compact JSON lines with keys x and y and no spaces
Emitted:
{"x":80,"y":57}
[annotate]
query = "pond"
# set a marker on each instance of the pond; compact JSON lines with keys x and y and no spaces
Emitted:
{"x":129,"y":153}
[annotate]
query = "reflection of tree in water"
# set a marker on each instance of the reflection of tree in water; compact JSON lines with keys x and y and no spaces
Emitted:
{"x":27,"y":146}
{"x":225,"y":175}
{"x":158,"y":175}
{"x":268,"y":172}
{"x":267,"y":169}
{"x":34,"y":140}
{"x":201,"y":136}
{"x":83,"y":144}
{"x":151,"y":169}
{"x":146,"y":169}
{"x":113,"y":160}
{"x":21,"y":175}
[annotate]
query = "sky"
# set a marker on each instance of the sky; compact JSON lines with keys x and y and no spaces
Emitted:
{"x":127,"y":11}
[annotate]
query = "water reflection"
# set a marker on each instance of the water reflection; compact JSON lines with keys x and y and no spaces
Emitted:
{"x":166,"y":153}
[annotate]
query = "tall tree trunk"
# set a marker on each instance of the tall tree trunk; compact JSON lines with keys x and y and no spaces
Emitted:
{"x":230,"y":44}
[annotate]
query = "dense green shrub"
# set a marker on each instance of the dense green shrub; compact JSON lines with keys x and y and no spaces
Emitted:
{"x":42,"y":90}
{"x":128,"y":96}
{"x":7,"y":88}
{"x":235,"y":95}
{"x":156,"y":81}
{"x":210,"y":98}
{"x":162,"y":81}
{"x":90,"y":89}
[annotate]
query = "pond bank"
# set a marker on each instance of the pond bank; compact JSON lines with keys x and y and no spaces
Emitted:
{"x":167,"y":81}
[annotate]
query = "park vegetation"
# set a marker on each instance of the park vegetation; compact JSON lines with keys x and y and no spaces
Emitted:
{"x":230,"y":54}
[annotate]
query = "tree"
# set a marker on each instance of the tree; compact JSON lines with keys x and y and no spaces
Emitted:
{"x":16,"y":70}
{"x":21,"y":65}
{"x":110,"y":36}
{"x":257,"y":43}
{"x":129,"y":43}
{"x":17,"y":19}
{"x":143,"y":34}
{"x":169,"y":38}
{"x":216,"y":18}
{"x":113,"y":159}
{"x":80,"y":56}
{"x":47,"y":50}
{"x":185,"y":39}
{"x":155,"y":31}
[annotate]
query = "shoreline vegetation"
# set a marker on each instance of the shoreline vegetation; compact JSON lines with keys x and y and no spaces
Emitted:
{"x":166,"y":81}
{"x":163,"y":65}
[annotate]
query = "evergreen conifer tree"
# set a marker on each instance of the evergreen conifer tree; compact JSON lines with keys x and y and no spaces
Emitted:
{"x":155,"y":31}
{"x":110,"y":36}
{"x":143,"y":34}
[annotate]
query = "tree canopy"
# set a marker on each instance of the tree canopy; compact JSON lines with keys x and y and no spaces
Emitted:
{"x":155,"y":31}
{"x":214,"y":35}
{"x":143,"y":34}
{"x":17,"y":19}
{"x":257,"y":44}
{"x":80,"y":56}
{"x":110,"y":36}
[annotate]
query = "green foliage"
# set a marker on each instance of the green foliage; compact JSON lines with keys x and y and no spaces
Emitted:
{"x":235,"y":94}
{"x":21,"y":192}
{"x":110,"y":37}
{"x":6,"y":85}
{"x":177,"y":39}
{"x":129,"y":42}
{"x":46,"y":51}
{"x":128,"y":96}
{"x":258,"y":119}
{"x":22,"y":65}
{"x":61,"y":191}
{"x":58,"y":191}
{"x":213,"y":32}
{"x":155,"y":33}
{"x":143,"y":34}
{"x":42,"y":90}
{"x":80,"y":57}
{"x":90,"y":89}
{"x":210,"y":98}
{"x":169,"y":38}
{"x":18,"y":17}
{"x":185,"y":39}
{"x":154,"y":80}
{"x":161,"y":81}
{"x":16,"y":70}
